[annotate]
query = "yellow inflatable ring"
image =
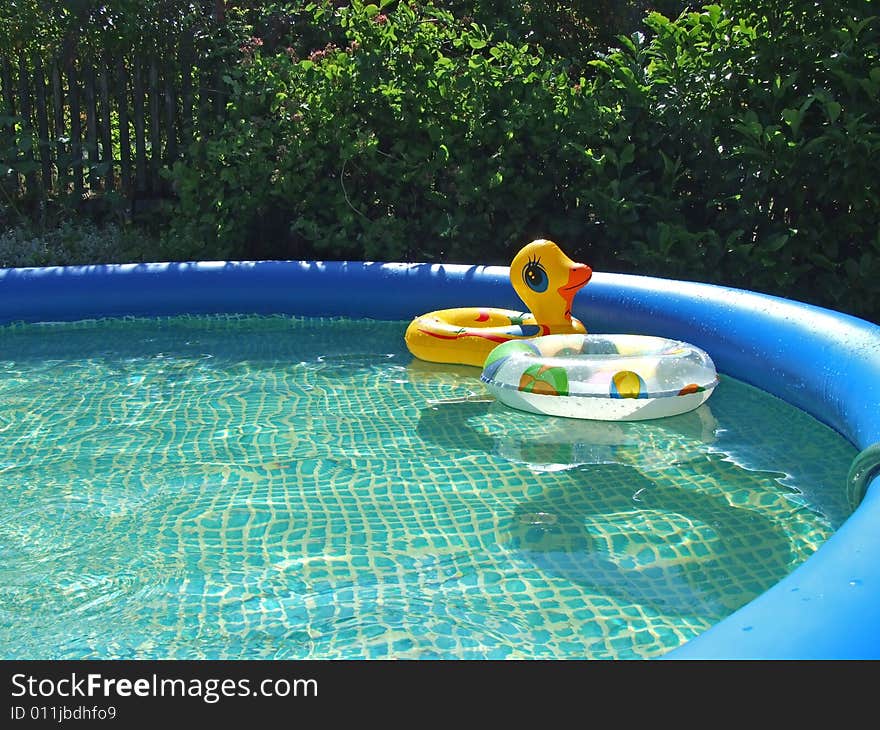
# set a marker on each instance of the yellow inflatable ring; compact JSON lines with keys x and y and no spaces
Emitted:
{"x":543,"y":277}
{"x":601,"y":377}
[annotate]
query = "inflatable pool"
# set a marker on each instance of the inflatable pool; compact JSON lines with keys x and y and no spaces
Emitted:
{"x":823,"y":362}
{"x":600,"y":377}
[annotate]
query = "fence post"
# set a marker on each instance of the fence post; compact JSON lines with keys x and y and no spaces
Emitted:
{"x":7,"y":138}
{"x":44,"y":144}
{"x":75,"y":126}
{"x":124,"y":136}
{"x":139,"y":141}
{"x":170,"y":117}
{"x":155,"y":128}
{"x":186,"y":90}
{"x":106,"y":135}
{"x":27,"y":132}
{"x":62,"y":157}
{"x":91,"y":126}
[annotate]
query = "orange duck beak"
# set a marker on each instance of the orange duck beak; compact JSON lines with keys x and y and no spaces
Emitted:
{"x":578,"y":276}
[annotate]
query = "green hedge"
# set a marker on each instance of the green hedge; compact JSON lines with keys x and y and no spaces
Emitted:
{"x":411,"y":136}
{"x":764,"y":128}
{"x":736,"y":145}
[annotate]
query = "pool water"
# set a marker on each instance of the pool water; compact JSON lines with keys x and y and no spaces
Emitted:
{"x":274,"y":487}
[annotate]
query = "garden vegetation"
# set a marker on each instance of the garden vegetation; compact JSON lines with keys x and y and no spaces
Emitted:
{"x":736,"y":143}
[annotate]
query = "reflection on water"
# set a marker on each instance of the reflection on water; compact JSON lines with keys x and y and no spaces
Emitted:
{"x":554,"y":444}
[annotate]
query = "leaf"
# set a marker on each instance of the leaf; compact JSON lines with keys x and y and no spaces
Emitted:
{"x":477,"y":43}
{"x":870,"y":87}
{"x":775,"y":243}
{"x":793,"y":118}
{"x":809,"y":102}
{"x":832,"y":109}
{"x":628,"y":42}
{"x":611,"y":155}
{"x":750,"y":126}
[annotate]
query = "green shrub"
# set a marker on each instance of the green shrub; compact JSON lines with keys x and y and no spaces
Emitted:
{"x":770,"y":123}
{"x":735,"y":145}
{"x":69,"y":243}
{"x":419,"y":138}
{"x":570,"y":29}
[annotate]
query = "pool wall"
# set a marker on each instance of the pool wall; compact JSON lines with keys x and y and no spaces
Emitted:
{"x":824,"y":362}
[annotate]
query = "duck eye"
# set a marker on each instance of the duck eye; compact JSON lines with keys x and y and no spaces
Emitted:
{"x":535,"y":277}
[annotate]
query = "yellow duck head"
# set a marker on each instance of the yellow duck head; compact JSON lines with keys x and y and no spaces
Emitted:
{"x":547,"y":280}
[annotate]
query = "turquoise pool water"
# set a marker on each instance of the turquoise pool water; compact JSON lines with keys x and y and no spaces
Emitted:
{"x":272,"y":487}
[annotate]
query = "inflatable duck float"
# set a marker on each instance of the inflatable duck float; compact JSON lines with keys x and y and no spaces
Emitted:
{"x":543,"y":277}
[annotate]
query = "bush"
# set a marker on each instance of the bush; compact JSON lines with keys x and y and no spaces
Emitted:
{"x":737,"y":145}
{"x":757,"y":139}
{"x":732,"y":145}
{"x":571,"y":29}
{"x":69,"y":243}
{"x":416,"y":136}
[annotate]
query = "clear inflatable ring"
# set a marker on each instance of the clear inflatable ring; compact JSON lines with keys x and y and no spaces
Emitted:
{"x":600,"y":377}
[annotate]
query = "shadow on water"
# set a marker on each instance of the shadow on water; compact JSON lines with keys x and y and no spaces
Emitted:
{"x":641,"y":511}
{"x":656,"y":544}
